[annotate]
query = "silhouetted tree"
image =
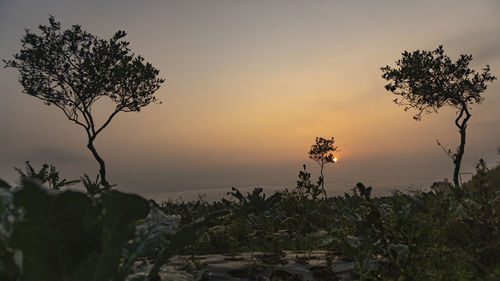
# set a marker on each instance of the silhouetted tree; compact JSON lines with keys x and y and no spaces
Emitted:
{"x":428,"y":80}
{"x":321,"y":152}
{"x":72,"y":69}
{"x":306,"y":188}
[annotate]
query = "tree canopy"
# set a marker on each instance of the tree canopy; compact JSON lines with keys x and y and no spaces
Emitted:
{"x":428,"y":80}
{"x":321,"y":152}
{"x":72,"y":69}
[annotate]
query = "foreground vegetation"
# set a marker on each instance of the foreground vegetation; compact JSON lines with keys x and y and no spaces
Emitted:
{"x":446,"y":233}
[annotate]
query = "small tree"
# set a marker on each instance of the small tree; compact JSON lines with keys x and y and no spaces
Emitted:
{"x":305,"y":187}
{"x":321,"y":152}
{"x":72,"y":69}
{"x":428,"y":80}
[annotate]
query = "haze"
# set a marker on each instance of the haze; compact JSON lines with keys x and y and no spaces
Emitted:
{"x":249,"y":85}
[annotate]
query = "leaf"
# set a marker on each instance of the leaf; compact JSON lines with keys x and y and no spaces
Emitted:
{"x":64,"y":236}
{"x":55,"y":234}
{"x":399,"y":251}
{"x":4,"y":184}
{"x":353,"y":241}
{"x":120,"y":211}
{"x":461,"y":212}
{"x":186,"y":234}
{"x":350,"y":215}
{"x":150,"y":237}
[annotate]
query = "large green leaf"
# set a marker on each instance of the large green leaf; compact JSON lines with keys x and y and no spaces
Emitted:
{"x":150,"y":238}
{"x":119,"y":213}
{"x":65,"y":236}
{"x":56,"y":233}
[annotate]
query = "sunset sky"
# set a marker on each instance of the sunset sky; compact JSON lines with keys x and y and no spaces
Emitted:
{"x":249,"y":85}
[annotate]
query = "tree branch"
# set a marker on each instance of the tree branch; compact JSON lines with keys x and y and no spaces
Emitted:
{"x":460,"y":116}
{"x":71,"y":118}
{"x":448,"y":152}
{"x":118,"y":109}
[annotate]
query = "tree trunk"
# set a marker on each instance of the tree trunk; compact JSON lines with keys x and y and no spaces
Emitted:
{"x":102,"y":169}
{"x":462,"y":126}
{"x":323,"y":180}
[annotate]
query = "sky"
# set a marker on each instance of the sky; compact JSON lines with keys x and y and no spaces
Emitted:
{"x":249,"y":86}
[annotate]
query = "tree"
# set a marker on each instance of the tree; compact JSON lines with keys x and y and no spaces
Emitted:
{"x":306,"y":188}
{"x":429,"y":80}
{"x":72,"y":69}
{"x":321,"y":152}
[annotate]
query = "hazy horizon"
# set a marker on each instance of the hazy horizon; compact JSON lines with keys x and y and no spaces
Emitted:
{"x":249,"y":85}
